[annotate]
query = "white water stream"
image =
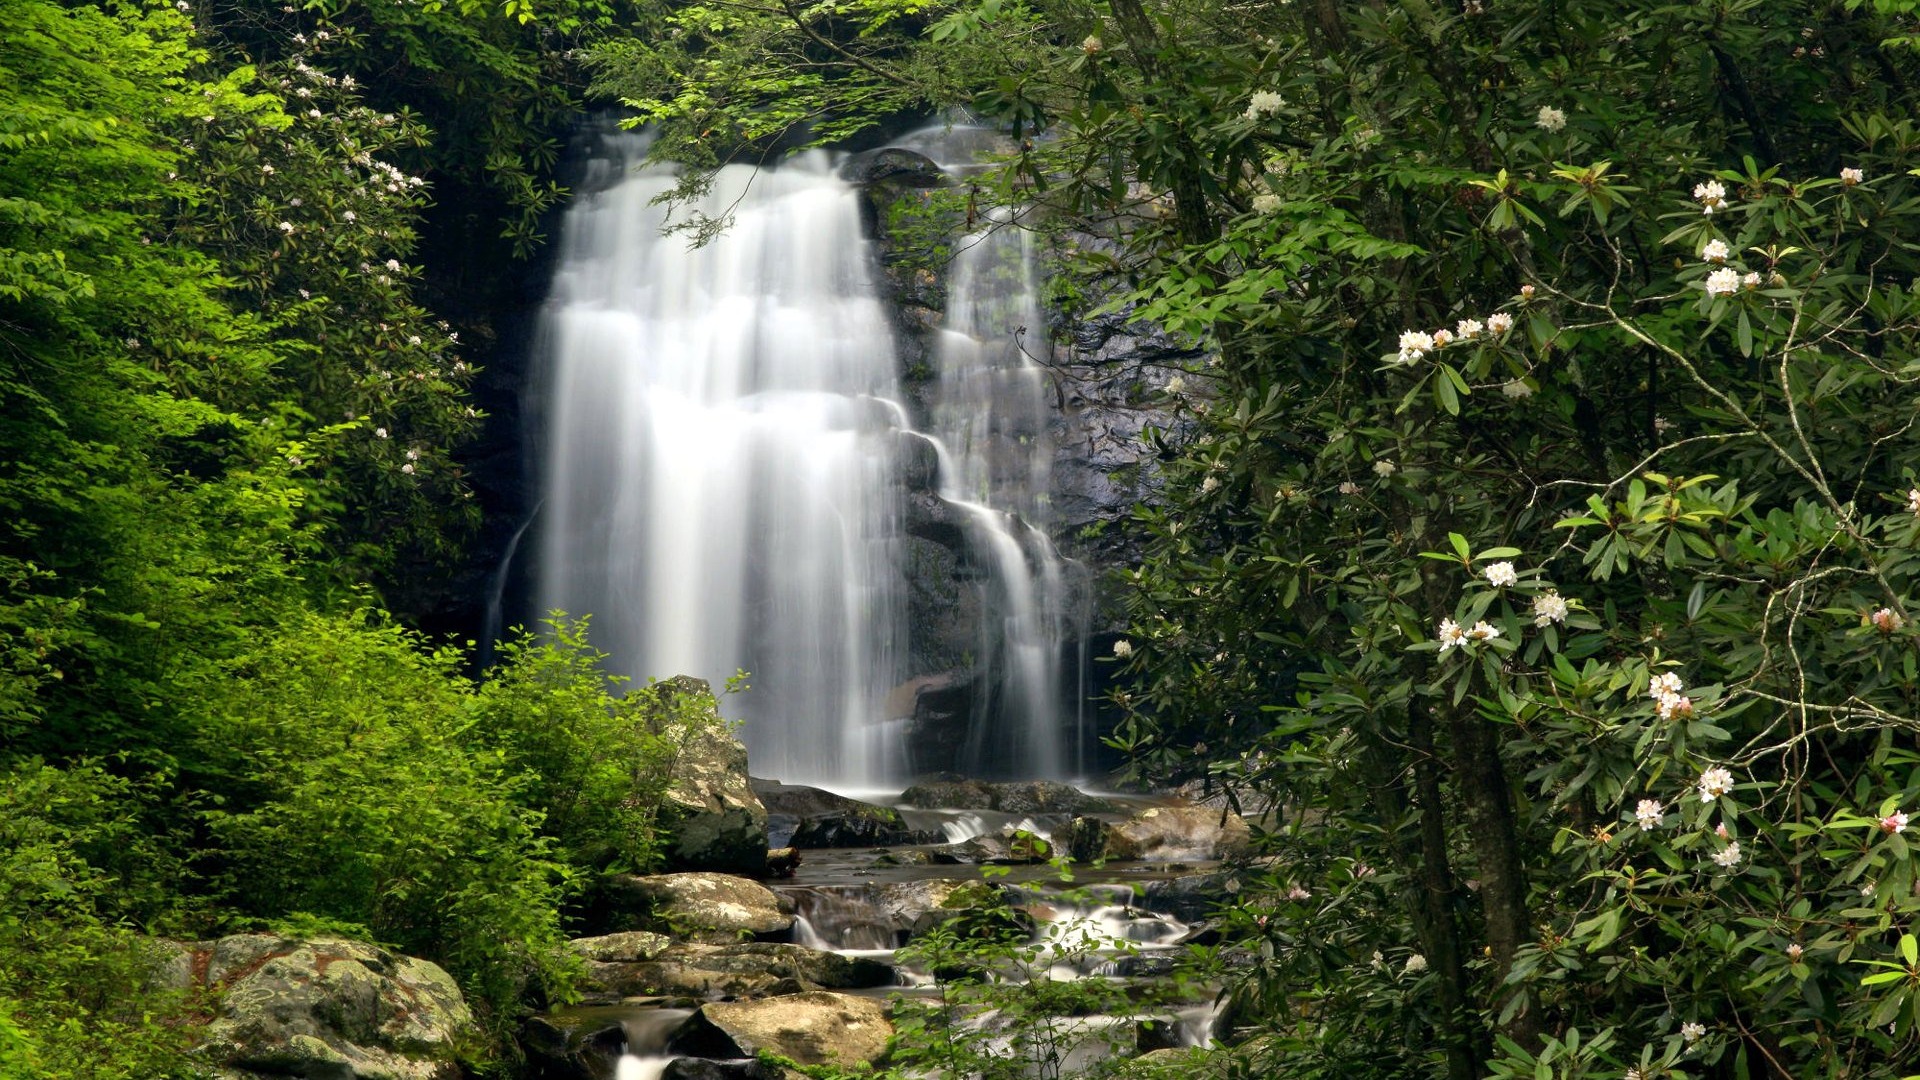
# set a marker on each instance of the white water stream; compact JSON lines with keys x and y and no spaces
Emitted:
{"x":722,"y":487}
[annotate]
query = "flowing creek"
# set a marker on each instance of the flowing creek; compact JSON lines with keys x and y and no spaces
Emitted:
{"x":867,"y":903}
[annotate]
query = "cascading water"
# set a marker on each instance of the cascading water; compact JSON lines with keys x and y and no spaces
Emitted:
{"x":722,"y":489}
{"x":720,"y":480}
{"x":991,"y":415}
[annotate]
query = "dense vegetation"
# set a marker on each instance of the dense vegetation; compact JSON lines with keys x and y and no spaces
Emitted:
{"x":226,"y":420}
{"x":1539,"y":539}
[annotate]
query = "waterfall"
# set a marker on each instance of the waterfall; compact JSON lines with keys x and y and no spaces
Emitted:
{"x":719,"y":473}
{"x":991,"y":416}
{"x":722,"y":485}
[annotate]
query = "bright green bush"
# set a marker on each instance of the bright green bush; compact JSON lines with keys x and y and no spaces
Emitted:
{"x":76,"y":985}
{"x":338,"y":782}
{"x":587,"y":757}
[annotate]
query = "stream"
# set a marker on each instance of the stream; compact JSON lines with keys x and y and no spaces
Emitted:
{"x":868,"y":903}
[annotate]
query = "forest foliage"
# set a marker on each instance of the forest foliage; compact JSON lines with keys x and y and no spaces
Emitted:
{"x":227,"y":421}
{"x":1538,"y":538}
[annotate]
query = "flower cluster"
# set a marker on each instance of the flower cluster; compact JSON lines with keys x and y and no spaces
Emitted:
{"x":1549,"y":607}
{"x":1649,"y":814}
{"x":1716,"y":251}
{"x":1714,"y":782}
{"x":1501,"y":574}
{"x":1450,"y":633}
{"x":1728,"y":857}
{"x":1886,"y":620}
{"x":1415,"y":344}
{"x":1550,"y":119}
{"x":1849,"y":177}
{"x":1264,"y":103}
{"x":1711,"y":196}
{"x":1668,"y":701}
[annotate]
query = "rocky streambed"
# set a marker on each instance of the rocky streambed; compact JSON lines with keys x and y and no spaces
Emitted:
{"x":701,"y":975}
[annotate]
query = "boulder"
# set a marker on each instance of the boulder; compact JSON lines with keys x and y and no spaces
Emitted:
{"x":713,"y":908}
{"x":949,"y":794}
{"x":746,"y":969}
{"x":1191,"y":897}
{"x":325,"y":1007}
{"x":1012,"y":797}
{"x":893,"y":165}
{"x":815,"y":1028}
{"x":808,"y":817}
{"x":1163,"y":834}
{"x":908,"y":902}
{"x":710,"y":816}
{"x":565,"y":1046}
{"x":1046,"y":797}
{"x":628,"y":947}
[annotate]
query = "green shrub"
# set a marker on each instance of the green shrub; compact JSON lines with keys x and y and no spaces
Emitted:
{"x":586,"y":759}
{"x":76,"y":991}
{"x":342,"y":784}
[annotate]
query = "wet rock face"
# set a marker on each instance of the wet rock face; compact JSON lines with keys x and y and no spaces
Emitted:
{"x":711,"y":908}
{"x":749,"y":969}
{"x":326,"y":1007}
{"x":807,"y":817}
{"x":891,"y":164}
{"x":816,"y":1028}
{"x":572,"y":1048}
{"x":1163,"y":834}
{"x":710,"y":815}
{"x":1012,"y":797}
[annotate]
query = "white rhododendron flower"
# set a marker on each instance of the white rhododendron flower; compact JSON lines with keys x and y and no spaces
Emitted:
{"x":1501,"y":574}
{"x":1711,"y":196}
{"x":1549,"y":607}
{"x":1263,"y":103}
{"x":1729,"y":856}
{"x":1716,"y":251}
{"x":1483,"y":631}
{"x":1123,"y":648}
{"x":1384,"y":468}
{"x":1714,"y":783}
{"x":1895,"y":822}
{"x":1723,"y":282}
{"x":1672,"y":706}
{"x":1266,"y":203}
{"x":1665,"y":683}
{"x":1499,"y":322}
{"x":1850,"y":176}
{"x":1415,"y":344}
{"x":1450,"y":634}
{"x":1550,"y":118}
{"x":1468,"y":329}
{"x":1648,"y":814}
{"x":1416,"y":964}
{"x":1692,"y":1031}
